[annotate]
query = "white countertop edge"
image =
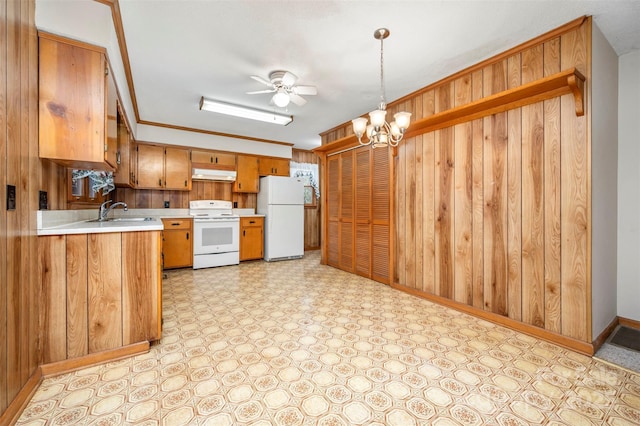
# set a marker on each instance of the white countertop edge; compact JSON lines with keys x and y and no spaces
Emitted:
{"x":85,"y":227}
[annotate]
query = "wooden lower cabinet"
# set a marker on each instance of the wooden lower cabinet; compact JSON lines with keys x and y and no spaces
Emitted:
{"x":101,"y":292}
{"x":251,"y":238}
{"x":177,"y":243}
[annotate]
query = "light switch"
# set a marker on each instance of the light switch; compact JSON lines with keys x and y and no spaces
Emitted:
{"x":11,"y":197}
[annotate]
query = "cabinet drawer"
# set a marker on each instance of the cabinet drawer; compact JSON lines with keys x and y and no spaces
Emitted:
{"x":177,"y":223}
{"x":251,"y":221}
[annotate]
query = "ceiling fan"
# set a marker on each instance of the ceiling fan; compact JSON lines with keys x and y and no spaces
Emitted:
{"x":283,"y":85}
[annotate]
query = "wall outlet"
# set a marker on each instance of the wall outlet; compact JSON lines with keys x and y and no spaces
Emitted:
{"x":235,"y":204}
{"x":42,"y":200}
{"x":167,"y":204}
{"x":11,"y":197}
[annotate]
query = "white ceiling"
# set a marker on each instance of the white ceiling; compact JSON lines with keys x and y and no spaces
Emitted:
{"x":181,"y":50}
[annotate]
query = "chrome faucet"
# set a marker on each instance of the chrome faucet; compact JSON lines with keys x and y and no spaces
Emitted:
{"x":104,"y":210}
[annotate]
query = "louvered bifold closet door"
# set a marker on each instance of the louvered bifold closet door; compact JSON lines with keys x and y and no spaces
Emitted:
{"x":346,"y":211}
{"x":363,"y":212}
{"x":333,"y":210}
{"x":380,"y":215}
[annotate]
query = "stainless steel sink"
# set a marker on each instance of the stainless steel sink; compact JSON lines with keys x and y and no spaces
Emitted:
{"x":124,"y":219}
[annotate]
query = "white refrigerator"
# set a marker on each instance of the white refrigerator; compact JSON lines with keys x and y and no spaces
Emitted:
{"x":281,"y":200}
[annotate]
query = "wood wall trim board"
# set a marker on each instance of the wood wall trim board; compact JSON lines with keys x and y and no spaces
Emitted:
{"x":124,"y":53}
{"x":211,"y":132}
{"x":602,"y":337}
{"x":629,"y":322}
{"x":570,"y":81}
{"x":72,"y":42}
{"x":69,"y":365}
{"x":19,"y":403}
{"x":566,"y":342}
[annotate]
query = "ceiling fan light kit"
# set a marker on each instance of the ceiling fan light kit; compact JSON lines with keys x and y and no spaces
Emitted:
{"x":244,"y":112}
{"x":283,"y":86}
{"x":379,"y":132}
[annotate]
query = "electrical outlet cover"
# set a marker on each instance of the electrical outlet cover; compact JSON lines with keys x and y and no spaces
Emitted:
{"x":42,"y":200}
{"x":11,"y":197}
{"x":167,"y":204}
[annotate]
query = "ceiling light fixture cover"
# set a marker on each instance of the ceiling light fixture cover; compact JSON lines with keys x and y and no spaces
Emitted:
{"x":281,"y":98}
{"x":379,"y":132}
{"x":244,"y":112}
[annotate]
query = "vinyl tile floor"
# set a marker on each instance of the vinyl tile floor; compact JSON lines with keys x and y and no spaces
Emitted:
{"x":298,"y":343}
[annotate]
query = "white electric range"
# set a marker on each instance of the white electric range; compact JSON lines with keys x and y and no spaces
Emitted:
{"x":216,"y":233}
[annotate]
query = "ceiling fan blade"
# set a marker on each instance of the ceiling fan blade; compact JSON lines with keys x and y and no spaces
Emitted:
{"x":305,"y":90}
{"x":256,"y":92}
{"x":288,"y":79}
{"x":261,"y":80}
{"x":296,"y":99}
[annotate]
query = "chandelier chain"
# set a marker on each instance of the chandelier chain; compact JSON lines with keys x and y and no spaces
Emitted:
{"x":383,"y":95}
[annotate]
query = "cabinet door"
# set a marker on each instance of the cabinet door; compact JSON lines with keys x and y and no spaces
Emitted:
{"x":213,"y":160}
{"x":177,"y":169}
{"x":177,"y":246}
{"x":251,"y":238}
{"x":72,"y":122}
{"x":274,"y":166}
{"x":111,"y":144}
{"x":123,"y":176}
{"x":247,"y":178}
{"x":224,"y":159}
{"x":150,"y":166}
{"x":202,"y":157}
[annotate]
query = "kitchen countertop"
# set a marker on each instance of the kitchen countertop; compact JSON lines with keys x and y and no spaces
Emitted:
{"x":64,"y":222}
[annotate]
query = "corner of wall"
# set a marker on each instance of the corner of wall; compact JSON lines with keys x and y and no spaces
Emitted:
{"x":604,"y":180}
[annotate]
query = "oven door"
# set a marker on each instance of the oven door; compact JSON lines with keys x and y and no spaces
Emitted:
{"x":216,"y":235}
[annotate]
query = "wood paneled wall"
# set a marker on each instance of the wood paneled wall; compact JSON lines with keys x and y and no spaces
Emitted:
{"x":200,"y":190}
{"x":19,"y":166}
{"x":311,"y":215}
{"x":493,"y":213}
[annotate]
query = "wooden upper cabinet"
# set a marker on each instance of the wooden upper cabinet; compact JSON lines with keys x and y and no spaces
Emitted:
{"x":273,"y":166}
{"x":213,"y":160}
{"x":74,"y":101}
{"x":125,"y":175}
{"x":247,"y":178}
{"x":160,"y":167}
{"x":177,"y":169}
{"x":150,"y":173}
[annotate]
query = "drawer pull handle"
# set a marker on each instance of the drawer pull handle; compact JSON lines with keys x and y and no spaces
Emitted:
{"x":252,"y":221}
{"x":175,"y":224}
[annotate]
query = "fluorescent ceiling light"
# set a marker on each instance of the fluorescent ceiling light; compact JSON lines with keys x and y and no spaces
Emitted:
{"x":244,"y":112}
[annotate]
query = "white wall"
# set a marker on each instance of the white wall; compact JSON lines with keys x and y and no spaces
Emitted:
{"x":604,"y":181}
{"x":629,"y":186}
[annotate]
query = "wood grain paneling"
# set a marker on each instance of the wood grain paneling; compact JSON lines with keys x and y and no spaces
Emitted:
{"x":463,"y":218}
{"x":21,"y":290}
{"x":444,"y":197}
{"x":573,"y":201}
{"x":77,"y":296}
{"x":54,"y":316}
{"x":140,"y":287}
{"x":497,"y":209}
{"x":533,"y":195}
{"x":552,"y":195}
{"x":105,"y":297}
{"x":514,"y":195}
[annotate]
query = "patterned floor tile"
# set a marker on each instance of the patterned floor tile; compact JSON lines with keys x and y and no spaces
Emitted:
{"x":298,"y":343}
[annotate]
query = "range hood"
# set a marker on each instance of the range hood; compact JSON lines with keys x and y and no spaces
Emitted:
{"x":211,"y":174}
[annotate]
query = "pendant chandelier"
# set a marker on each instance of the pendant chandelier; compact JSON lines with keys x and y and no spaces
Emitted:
{"x":379,"y":132}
